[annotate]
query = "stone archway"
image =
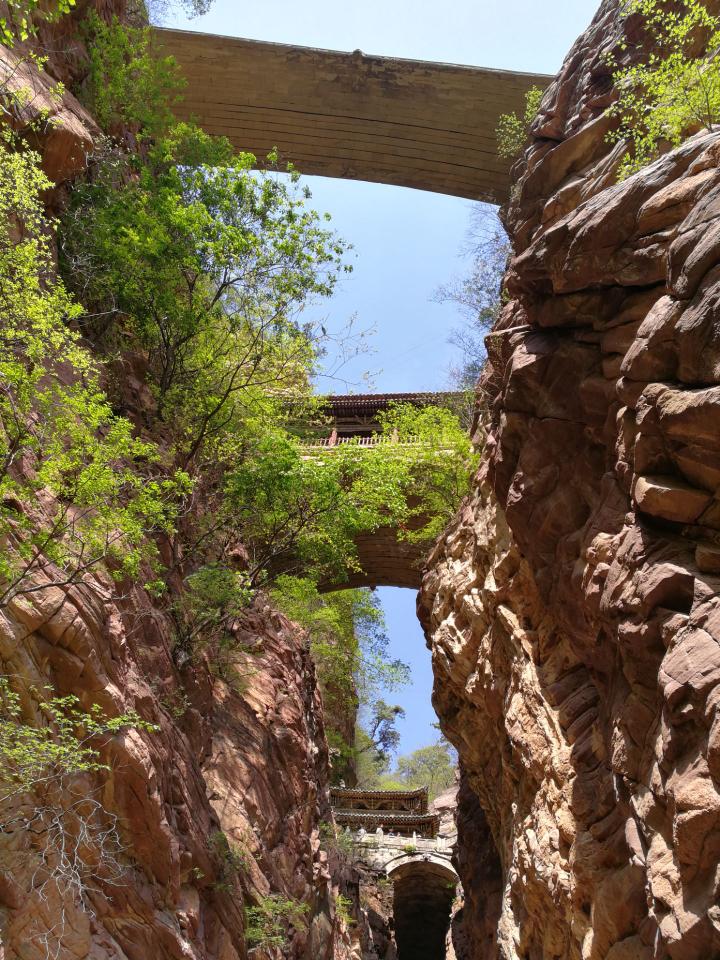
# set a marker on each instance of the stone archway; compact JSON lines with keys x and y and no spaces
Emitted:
{"x":424,"y":889}
{"x":386,"y":561}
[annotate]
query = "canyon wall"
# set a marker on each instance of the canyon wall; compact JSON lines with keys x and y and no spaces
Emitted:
{"x":572,"y":607}
{"x":218,"y":808}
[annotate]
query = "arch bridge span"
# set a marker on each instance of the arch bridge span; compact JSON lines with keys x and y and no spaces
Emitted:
{"x":412,"y":843}
{"x":410,"y":123}
{"x":384,"y":558}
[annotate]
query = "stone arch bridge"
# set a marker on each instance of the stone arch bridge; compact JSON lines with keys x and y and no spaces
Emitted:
{"x":404,"y":122}
{"x":385,"y":560}
{"x":395,"y":835}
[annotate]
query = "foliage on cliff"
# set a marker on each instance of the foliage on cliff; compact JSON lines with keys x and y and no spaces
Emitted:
{"x":105,"y":489}
{"x":349,"y":644}
{"x":513,"y":129}
{"x":51,"y":819}
{"x":674,"y":90}
{"x":23,"y":15}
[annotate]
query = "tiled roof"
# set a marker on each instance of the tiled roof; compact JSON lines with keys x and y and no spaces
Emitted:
{"x":376,"y":401}
{"x":357,"y":793}
{"x":386,"y":816}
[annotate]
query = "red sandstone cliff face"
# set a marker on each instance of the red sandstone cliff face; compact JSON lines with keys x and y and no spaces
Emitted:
{"x":250,"y":762}
{"x":245,"y":761}
{"x":572,"y":607}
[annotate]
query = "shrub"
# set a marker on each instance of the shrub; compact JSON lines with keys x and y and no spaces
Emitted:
{"x":338,"y":841}
{"x":268,"y":923}
{"x":68,"y":840}
{"x":213,"y":598}
{"x":343,"y":908}
{"x":232,"y":859}
{"x":675,"y":90}
{"x":22,"y":16}
{"x":127,"y":83}
{"x":512,"y":129}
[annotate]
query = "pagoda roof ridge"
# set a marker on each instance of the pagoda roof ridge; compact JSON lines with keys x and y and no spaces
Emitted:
{"x":387,"y":815}
{"x":359,"y":792}
{"x":337,"y":399}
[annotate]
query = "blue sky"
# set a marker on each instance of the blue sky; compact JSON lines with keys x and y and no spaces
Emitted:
{"x":406,"y":242}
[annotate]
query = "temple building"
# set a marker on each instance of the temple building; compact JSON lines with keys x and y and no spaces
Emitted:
{"x":356,"y":418}
{"x":401,"y":812}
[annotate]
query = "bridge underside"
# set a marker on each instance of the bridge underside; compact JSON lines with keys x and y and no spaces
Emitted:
{"x":386,"y":561}
{"x":404,"y":122}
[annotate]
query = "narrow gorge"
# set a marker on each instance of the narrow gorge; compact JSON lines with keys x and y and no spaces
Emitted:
{"x":570,"y":604}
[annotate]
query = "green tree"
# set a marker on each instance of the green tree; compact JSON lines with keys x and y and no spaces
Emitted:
{"x":371,"y":768}
{"x":108,"y":491}
{"x":349,"y":645}
{"x":203,"y":264}
{"x":295,"y":514}
{"x":512,"y":129}
{"x":432,"y":767}
{"x":675,"y":88}
{"x":376,"y":737}
{"x":300,"y":511}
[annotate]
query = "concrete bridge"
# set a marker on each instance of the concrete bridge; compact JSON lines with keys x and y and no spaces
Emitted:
{"x":410,"y":123}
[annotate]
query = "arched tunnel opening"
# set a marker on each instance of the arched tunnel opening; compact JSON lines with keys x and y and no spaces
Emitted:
{"x":422,"y":900}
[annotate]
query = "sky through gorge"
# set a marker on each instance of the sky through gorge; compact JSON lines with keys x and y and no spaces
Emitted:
{"x":406,"y":242}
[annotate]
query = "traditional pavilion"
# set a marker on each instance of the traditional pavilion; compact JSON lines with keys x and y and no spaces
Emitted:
{"x":401,"y":812}
{"x":355,"y":417}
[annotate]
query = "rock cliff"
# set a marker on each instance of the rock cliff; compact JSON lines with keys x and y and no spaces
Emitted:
{"x":217,"y":809}
{"x":572,"y":606}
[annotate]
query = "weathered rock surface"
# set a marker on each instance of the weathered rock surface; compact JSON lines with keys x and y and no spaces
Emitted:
{"x":222,"y":805}
{"x":572,"y":607}
{"x":35,"y":78}
{"x":247,"y":760}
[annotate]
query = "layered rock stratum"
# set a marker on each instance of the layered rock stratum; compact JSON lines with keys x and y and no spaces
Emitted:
{"x":222,"y":804}
{"x":246,"y":761}
{"x":572,"y":607}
